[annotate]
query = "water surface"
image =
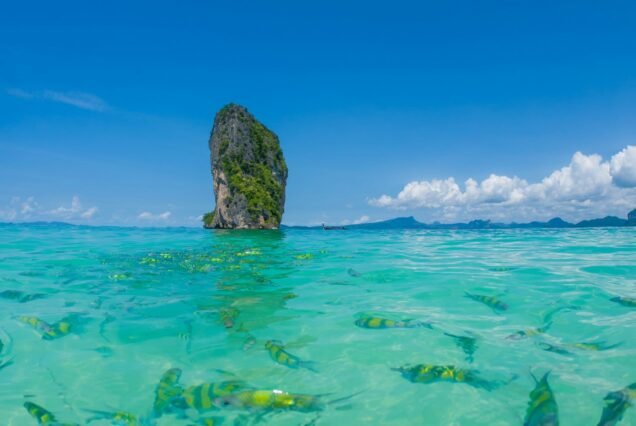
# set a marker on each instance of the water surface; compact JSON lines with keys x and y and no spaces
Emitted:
{"x":146,"y":300}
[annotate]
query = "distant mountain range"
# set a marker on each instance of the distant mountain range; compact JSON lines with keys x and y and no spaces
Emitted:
{"x":411,"y":223}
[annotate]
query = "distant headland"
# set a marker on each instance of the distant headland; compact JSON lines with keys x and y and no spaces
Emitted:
{"x":411,"y":223}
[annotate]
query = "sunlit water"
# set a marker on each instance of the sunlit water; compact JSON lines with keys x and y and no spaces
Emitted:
{"x":146,"y":300}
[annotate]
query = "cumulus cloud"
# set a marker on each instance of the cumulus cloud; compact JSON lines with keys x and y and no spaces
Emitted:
{"x":361,"y":219}
{"x":586,"y":184}
{"x":148,"y":216}
{"x":623,"y":167}
{"x":74,"y":211}
{"x":28,"y":209}
{"x":81,"y":100}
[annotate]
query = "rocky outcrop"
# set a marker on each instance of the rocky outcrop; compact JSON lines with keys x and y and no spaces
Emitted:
{"x":248,"y":171}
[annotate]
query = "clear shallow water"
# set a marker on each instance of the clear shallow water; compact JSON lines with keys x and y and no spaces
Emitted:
{"x":147,"y":300}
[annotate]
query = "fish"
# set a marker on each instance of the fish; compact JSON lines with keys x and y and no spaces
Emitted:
{"x":210,"y":421}
{"x":201,"y":397}
{"x":542,"y":408}
{"x":594,"y":346}
{"x":167,"y":391}
{"x":553,"y":348}
{"x":529,"y":332}
{"x":271,"y":400}
{"x":377,"y":323}
{"x":426,"y":373}
{"x":625,"y":301}
{"x":119,"y":418}
{"x":616,"y":403}
{"x":278,"y":353}
{"x":502,"y":268}
{"x":466,"y":344}
{"x":353,"y":273}
{"x":44,"y":417}
{"x":49,"y":331}
{"x":228,"y":315}
{"x":490,"y":301}
{"x":20,"y":296}
{"x":547,"y":323}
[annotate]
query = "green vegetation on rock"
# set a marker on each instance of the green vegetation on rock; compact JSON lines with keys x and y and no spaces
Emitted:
{"x":249,"y":170}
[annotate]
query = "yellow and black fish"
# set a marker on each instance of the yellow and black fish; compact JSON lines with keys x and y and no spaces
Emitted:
{"x":201,"y":397}
{"x":49,"y":331}
{"x":593,"y":346}
{"x":379,"y":323}
{"x":528,"y":332}
{"x":278,"y":353}
{"x":271,"y":400}
{"x":490,"y":301}
{"x":616,"y":403}
{"x":119,"y":418}
{"x":426,"y":373}
{"x":625,"y":301}
{"x":210,"y":421}
{"x":167,"y":391}
{"x":542,"y":408}
{"x":44,"y":417}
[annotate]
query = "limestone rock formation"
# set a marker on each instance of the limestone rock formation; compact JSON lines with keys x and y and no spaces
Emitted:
{"x":248,"y":171}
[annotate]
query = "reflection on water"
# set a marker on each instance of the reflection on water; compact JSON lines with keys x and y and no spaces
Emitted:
{"x":117,"y":326}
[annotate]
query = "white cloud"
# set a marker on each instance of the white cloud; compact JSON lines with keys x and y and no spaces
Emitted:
{"x":588,"y":185}
{"x":74,"y":211}
{"x":19,"y":93}
{"x":88,"y":214}
{"x":154,"y":217}
{"x":28,"y":209}
{"x":77,"y":99}
{"x":80,"y":100}
{"x":623,"y":167}
{"x":358,"y":221}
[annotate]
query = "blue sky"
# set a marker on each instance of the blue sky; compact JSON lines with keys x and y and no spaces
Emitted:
{"x":383,"y":109}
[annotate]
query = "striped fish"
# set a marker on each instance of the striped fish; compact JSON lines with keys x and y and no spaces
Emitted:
{"x":379,"y":323}
{"x":594,"y":346}
{"x":278,"y":353}
{"x":44,"y":417}
{"x":625,"y":301}
{"x":542,"y":408}
{"x":119,"y":418}
{"x":529,"y":332}
{"x":490,"y":301}
{"x":201,"y":397}
{"x":49,"y":331}
{"x":616,"y":403}
{"x":271,"y":400}
{"x":425,"y":373}
{"x":167,"y":391}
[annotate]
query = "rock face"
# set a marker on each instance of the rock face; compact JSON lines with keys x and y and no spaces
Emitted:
{"x":248,"y":171}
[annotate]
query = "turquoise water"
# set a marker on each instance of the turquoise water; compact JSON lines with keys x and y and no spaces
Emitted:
{"x":142,"y":301}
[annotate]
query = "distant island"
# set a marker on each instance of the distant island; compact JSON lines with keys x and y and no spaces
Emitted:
{"x":249,"y":172}
{"x":411,"y":223}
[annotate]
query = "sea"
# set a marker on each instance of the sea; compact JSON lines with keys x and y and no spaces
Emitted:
{"x":184,"y":326}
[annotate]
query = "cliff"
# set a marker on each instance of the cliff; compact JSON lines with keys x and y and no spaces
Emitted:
{"x":249,"y":172}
